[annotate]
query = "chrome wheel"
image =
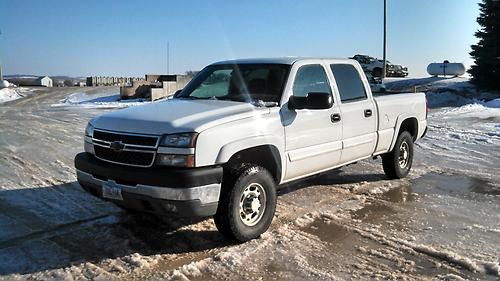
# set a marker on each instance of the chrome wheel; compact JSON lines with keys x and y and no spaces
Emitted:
{"x":252,"y":204}
{"x":404,"y":153}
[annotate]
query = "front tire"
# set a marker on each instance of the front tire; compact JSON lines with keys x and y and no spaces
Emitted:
{"x":247,"y":203}
{"x":397,"y":163}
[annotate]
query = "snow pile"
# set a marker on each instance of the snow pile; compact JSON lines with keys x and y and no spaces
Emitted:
{"x":98,"y":101}
{"x":430,"y":84}
{"x":444,"y":92}
{"x":478,"y":109}
{"x":9,"y":94}
{"x":4,"y":84}
{"x":444,"y":99}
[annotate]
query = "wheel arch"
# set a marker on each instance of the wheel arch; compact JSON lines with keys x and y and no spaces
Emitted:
{"x":267,"y":156}
{"x":264,"y":150}
{"x":407,"y":123}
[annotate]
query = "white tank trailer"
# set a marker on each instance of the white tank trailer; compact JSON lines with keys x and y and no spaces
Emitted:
{"x":446,"y":68}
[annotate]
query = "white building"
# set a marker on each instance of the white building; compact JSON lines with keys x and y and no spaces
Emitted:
{"x":44,"y":81}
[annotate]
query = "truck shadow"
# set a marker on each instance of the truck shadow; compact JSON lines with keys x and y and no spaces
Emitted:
{"x":58,"y":226}
{"x":338,"y":176}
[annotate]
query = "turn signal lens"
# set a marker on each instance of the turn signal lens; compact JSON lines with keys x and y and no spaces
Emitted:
{"x":175,"y":160}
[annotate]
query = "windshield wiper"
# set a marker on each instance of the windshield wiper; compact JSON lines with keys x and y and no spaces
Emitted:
{"x":261,"y":103}
{"x":197,"y":98}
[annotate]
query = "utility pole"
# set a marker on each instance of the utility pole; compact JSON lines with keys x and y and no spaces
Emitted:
{"x":168,"y":57}
{"x":1,"y":74}
{"x":384,"y":68}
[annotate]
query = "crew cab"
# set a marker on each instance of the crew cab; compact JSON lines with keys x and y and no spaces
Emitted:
{"x":240,"y":130}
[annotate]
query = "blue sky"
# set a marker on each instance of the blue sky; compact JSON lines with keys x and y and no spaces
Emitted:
{"x":129,"y":38}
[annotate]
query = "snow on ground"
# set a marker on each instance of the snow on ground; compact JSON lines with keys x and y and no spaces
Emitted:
{"x":10,"y":94}
{"x":464,"y":130}
{"x":441,"y":223}
{"x":441,"y":91}
{"x":97,"y":101}
{"x":427,"y":84}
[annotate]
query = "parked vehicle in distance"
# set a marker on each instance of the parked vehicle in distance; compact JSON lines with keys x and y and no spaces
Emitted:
{"x":375,"y":66}
{"x":376,"y":84}
{"x":238,"y":131}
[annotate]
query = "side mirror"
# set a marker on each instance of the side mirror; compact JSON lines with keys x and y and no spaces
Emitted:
{"x":313,"y":100}
{"x":296,"y":102}
{"x":319,"y":100}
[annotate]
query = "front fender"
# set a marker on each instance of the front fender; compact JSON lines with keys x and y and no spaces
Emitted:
{"x":229,"y":149}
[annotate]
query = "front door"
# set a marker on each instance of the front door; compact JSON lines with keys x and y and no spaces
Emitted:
{"x":313,"y":137}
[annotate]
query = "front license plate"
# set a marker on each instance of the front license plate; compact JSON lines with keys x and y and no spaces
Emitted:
{"x":111,"y":191}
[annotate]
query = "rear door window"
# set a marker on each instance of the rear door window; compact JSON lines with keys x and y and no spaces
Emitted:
{"x":349,"y":82}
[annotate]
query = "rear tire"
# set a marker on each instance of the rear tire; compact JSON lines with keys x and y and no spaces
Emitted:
{"x":397,"y":163}
{"x":247,"y":203}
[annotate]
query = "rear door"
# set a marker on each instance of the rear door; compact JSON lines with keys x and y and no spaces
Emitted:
{"x":357,"y":111}
{"x":313,"y":140}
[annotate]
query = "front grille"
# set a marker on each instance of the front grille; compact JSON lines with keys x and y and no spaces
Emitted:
{"x":133,"y":150}
{"x":125,"y":138}
{"x":125,"y":157}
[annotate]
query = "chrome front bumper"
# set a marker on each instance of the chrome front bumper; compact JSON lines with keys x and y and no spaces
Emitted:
{"x":206,"y":194}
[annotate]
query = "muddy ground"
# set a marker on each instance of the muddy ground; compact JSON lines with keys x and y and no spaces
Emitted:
{"x":442,"y":222}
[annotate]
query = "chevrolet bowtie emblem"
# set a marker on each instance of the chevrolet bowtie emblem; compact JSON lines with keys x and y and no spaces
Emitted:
{"x":117,"y":146}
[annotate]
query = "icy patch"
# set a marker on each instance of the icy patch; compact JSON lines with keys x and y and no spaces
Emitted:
{"x":95,"y":101}
{"x":10,"y":94}
{"x":442,"y":254}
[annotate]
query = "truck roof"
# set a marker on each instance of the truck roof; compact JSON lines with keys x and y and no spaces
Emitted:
{"x":279,"y":60}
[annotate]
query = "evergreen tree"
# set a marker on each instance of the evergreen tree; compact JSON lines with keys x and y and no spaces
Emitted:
{"x":486,"y":53}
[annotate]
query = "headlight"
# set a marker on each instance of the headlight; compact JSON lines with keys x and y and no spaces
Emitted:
{"x":179,"y":140}
{"x":89,"y":130}
{"x":185,"y":142}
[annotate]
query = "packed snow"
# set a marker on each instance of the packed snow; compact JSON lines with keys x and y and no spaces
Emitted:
{"x":431,"y":84}
{"x":441,"y":223}
{"x":98,"y":101}
{"x":10,"y":94}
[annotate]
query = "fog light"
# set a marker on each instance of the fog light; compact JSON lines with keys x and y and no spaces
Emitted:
{"x":169,"y":208}
{"x":175,"y":160}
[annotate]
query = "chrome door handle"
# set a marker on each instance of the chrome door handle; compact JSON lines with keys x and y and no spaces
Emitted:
{"x":335,"y":117}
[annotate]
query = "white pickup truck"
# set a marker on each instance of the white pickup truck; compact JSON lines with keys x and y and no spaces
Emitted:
{"x":240,"y":129}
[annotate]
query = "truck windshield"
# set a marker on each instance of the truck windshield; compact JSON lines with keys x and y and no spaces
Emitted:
{"x":254,"y":83}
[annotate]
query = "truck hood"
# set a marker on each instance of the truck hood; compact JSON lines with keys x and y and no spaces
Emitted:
{"x":175,"y":116}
